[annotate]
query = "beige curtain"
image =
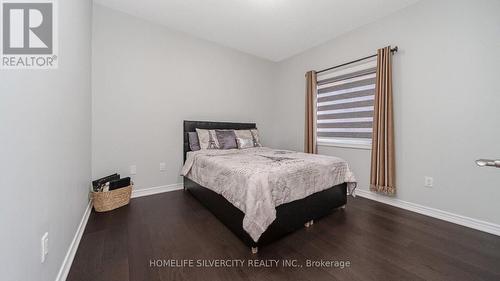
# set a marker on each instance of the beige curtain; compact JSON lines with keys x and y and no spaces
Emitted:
{"x":382,"y":177}
{"x":310,"y":128}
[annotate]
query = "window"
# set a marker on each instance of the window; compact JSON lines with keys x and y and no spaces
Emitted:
{"x":344,"y":114}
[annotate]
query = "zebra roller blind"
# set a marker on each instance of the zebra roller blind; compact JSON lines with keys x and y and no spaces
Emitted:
{"x":344,"y":112}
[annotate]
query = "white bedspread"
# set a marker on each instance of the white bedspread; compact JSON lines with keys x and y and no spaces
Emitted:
{"x":257,"y":180}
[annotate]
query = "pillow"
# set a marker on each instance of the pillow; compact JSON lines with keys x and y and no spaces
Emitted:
{"x":243,"y":138}
{"x":244,"y":143}
{"x":207,"y":139}
{"x":194,"y":143}
{"x":243,"y":134}
{"x":252,"y":135}
{"x":256,"y":138}
{"x":226,"y":138}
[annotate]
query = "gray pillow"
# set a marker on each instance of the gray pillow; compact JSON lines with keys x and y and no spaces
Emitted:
{"x":226,"y":138}
{"x":194,"y":143}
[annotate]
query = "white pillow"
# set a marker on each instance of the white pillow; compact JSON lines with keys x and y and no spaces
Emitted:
{"x":243,"y":134}
{"x":207,"y":139}
{"x":249,"y":135}
{"x":256,"y":137}
{"x":244,"y":143}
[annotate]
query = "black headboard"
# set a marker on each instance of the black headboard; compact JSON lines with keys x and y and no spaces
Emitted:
{"x":190,"y":126}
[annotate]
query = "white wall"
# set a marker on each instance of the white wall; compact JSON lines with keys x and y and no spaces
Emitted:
{"x":147,"y":79}
{"x":446,"y":101}
{"x":45,"y":152}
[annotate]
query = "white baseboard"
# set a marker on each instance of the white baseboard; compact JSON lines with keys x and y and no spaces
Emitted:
{"x":70,"y":254}
{"x":431,"y":212}
{"x":155,"y":190}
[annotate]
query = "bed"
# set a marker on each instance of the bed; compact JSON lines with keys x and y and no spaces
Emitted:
{"x":286,"y":216}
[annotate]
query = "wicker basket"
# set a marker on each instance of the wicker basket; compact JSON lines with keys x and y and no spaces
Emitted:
{"x":110,"y":200}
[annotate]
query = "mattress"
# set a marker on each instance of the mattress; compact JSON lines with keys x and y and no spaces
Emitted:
{"x":257,"y":180}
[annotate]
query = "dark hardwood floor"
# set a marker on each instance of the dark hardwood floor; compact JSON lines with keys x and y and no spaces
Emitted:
{"x":380,"y":242}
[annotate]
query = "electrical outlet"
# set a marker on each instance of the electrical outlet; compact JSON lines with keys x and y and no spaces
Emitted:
{"x":428,"y":181}
{"x":44,"y":246}
{"x":133,"y":169}
{"x":163,"y":167}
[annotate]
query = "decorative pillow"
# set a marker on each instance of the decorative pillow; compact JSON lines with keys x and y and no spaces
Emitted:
{"x":194,"y":143}
{"x":244,"y":135}
{"x":252,"y":135}
{"x":226,"y":138}
{"x":256,"y":138}
{"x":207,"y":139}
{"x":244,"y":143}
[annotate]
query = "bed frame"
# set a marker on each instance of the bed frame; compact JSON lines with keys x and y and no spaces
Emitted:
{"x":289,"y":217}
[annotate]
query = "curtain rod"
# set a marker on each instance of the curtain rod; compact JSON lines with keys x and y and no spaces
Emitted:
{"x":393,"y":50}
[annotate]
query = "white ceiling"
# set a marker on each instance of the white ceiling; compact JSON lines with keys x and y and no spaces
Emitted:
{"x":270,"y":29}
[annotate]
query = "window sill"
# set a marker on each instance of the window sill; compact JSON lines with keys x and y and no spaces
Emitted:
{"x":347,"y":145}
